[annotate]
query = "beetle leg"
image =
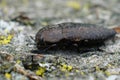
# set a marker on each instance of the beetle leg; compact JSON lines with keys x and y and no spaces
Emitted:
{"x":101,"y":50}
{"x":87,"y":49}
{"x":53,"y":45}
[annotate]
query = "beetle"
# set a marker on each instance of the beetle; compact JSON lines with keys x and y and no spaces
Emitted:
{"x":72,"y":34}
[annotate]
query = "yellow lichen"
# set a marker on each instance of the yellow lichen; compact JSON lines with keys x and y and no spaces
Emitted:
{"x":65,"y":67}
{"x":73,"y":4}
{"x":8,"y":76}
{"x":40,"y":71}
{"x":86,"y":6}
{"x":44,"y":23}
{"x":82,"y":73}
{"x":107,"y":73}
{"x":77,"y":71}
{"x":18,"y":61}
{"x":97,"y":68}
{"x":5,"y":39}
{"x":110,"y":66}
{"x":70,"y":68}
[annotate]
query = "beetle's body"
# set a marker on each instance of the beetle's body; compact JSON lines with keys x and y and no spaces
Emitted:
{"x":72,"y":33}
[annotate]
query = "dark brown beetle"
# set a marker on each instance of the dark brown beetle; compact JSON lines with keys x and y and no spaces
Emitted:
{"x":72,"y":34}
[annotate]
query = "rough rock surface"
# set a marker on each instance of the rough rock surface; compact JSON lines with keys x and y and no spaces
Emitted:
{"x":18,"y":54}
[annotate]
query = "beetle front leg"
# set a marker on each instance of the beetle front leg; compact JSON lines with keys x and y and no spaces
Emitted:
{"x":48,"y":47}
